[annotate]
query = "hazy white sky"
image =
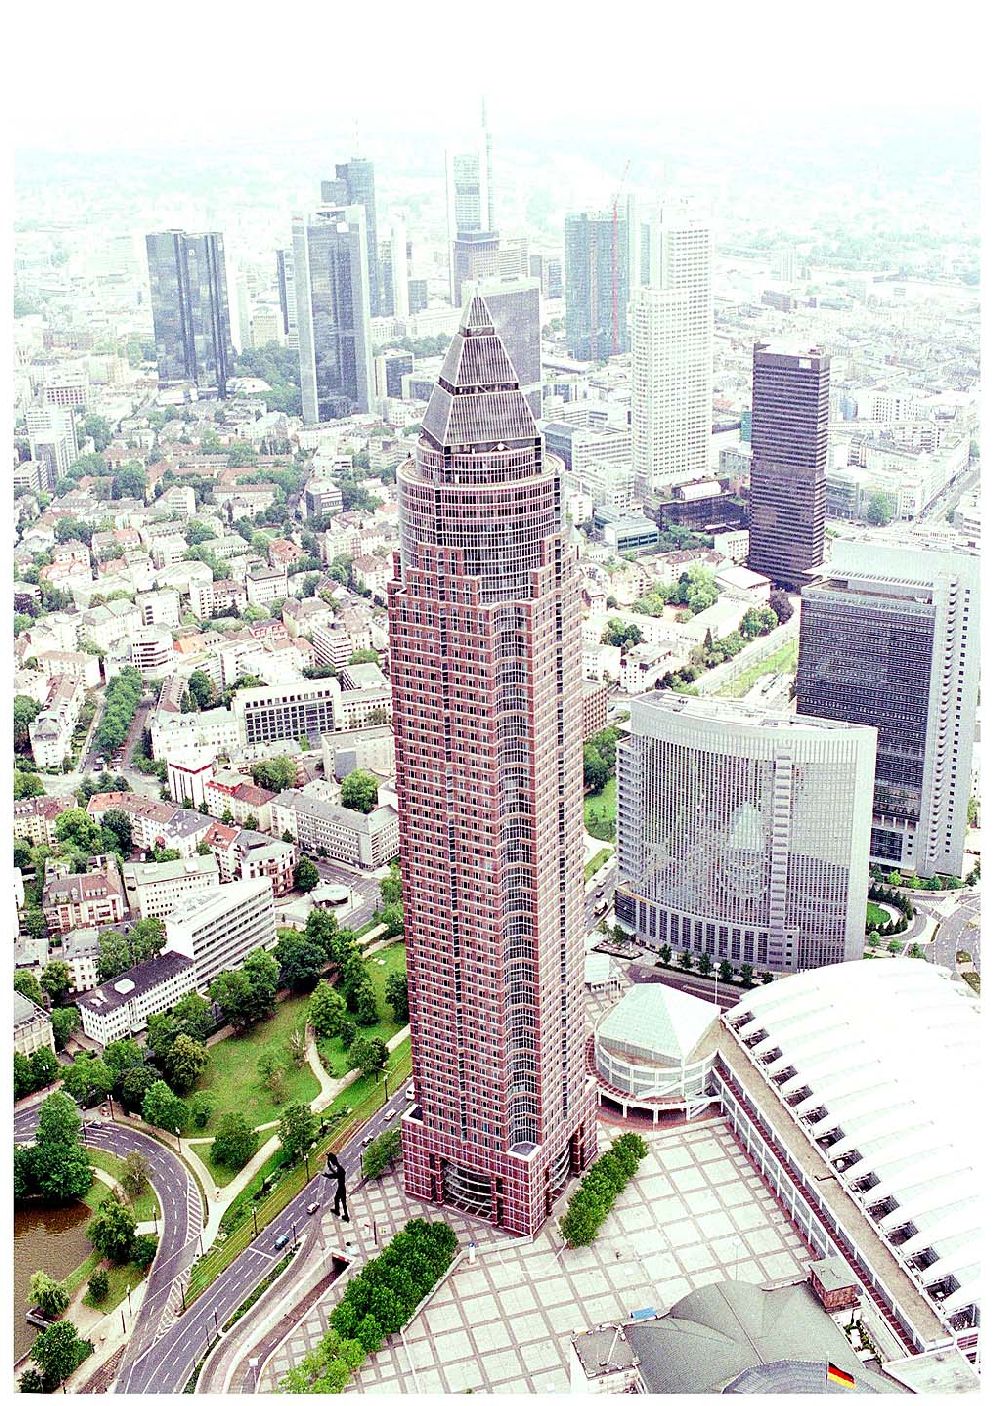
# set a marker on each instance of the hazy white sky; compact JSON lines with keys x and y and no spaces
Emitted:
{"x":113,"y":74}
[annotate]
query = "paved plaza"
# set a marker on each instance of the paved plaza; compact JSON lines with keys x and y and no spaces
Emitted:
{"x":695,"y":1211}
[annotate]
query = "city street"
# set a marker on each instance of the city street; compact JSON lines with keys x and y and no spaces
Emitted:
{"x":958,"y":916}
{"x":166,"y":1365}
{"x":178,"y":1227}
{"x":702,"y":986}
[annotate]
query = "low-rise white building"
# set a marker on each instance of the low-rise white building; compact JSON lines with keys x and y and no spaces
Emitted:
{"x":121,"y":1008}
{"x":265,"y":584}
{"x":154,"y":890}
{"x":151,"y":650}
{"x":367,"y":841}
{"x":32,"y":1026}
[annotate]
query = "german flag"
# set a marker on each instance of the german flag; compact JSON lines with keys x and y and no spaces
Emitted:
{"x":839,"y":1377}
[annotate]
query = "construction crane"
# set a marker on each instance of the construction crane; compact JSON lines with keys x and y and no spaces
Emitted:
{"x":615,"y":346}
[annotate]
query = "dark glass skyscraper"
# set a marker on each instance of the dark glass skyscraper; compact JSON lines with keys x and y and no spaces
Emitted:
{"x":791,"y":420}
{"x":355,"y":185}
{"x":597,"y":284}
{"x":187,"y":285}
{"x":332,"y":302}
{"x":484,"y":630}
{"x":890,"y":638}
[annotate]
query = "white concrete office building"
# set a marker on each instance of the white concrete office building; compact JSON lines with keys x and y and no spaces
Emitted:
{"x":218,"y":931}
{"x":154,"y":890}
{"x":744,"y":834}
{"x":672,"y":355}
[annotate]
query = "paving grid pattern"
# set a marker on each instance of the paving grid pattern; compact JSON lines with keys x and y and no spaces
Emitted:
{"x":696,"y":1211}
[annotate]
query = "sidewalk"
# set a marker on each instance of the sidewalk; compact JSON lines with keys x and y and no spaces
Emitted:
{"x":220,"y":1198}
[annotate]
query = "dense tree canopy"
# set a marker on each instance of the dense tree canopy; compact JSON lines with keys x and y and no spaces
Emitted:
{"x":359,"y":791}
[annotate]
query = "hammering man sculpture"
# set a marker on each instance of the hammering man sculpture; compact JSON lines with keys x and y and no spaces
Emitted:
{"x":338,"y":1173}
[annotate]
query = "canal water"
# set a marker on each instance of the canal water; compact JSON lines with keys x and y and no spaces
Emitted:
{"x":52,"y":1238}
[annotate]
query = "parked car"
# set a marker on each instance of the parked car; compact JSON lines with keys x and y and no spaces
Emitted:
{"x":281,"y":1242}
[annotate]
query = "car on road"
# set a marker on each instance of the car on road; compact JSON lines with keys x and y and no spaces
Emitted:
{"x":281,"y":1242}
{"x":366,"y":1140}
{"x":312,"y":1208}
{"x":411,"y":1092}
{"x":388,"y":1116}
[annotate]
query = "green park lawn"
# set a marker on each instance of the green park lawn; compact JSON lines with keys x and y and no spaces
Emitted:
{"x":600,"y":811}
{"x":143,"y":1207}
{"x":877,"y":914}
{"x":383,"y":964}
{"x":230,"y":1078}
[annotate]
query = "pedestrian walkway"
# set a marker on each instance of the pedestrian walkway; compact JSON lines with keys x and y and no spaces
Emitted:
{"x":695,"y":1212}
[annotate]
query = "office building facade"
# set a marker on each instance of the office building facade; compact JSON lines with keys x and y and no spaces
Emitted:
{"x":672,"y":356}
{"x":596,"y":285}
{"x":890,"y":639}
{"x":332,"y":298}
{"x":219,"y":930}
{"x":742,"y":834}
{"x":190,"y":304}
{"x":485,"y":652}
{"x":355,"y":185}
{"x":791,"y":420}
{"x":306,"y":709}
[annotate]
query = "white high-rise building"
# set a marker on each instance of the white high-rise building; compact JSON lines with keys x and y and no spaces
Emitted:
{"x":672,"y":355}
{"x":400,"y":270}
{"x":743,"y":834}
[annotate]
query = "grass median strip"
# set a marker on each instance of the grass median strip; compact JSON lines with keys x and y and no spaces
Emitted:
{"x":362,"y":1098}
{"x":592,"y":865}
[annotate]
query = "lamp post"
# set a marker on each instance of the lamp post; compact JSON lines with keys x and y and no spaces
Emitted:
{"x":111,"y":1108}
{"x":253,"y":1210}
{"x":385,"y":1082}
{"x":177,"y":1131}
{"x":715,"y":968}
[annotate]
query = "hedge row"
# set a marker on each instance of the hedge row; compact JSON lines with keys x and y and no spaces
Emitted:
{"x":588,"y":1208}
{"x":378,"y":1301}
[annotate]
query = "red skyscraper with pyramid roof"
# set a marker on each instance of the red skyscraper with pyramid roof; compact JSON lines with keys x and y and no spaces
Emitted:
{"x":485,"y":648}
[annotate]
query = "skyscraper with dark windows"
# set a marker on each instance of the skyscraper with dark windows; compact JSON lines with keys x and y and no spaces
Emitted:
{"x":485,"y":650}
{"x":791,"y":421}
{"x":596,"y":284}
{"x":515,"y":306}
{"x":329,"y":248}
{"x":355,"y":185}
{"x":187,"y":287}
{"x":890,"y":638}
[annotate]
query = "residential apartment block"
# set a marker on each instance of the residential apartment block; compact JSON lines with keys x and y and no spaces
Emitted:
{"x":94,"y":899}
